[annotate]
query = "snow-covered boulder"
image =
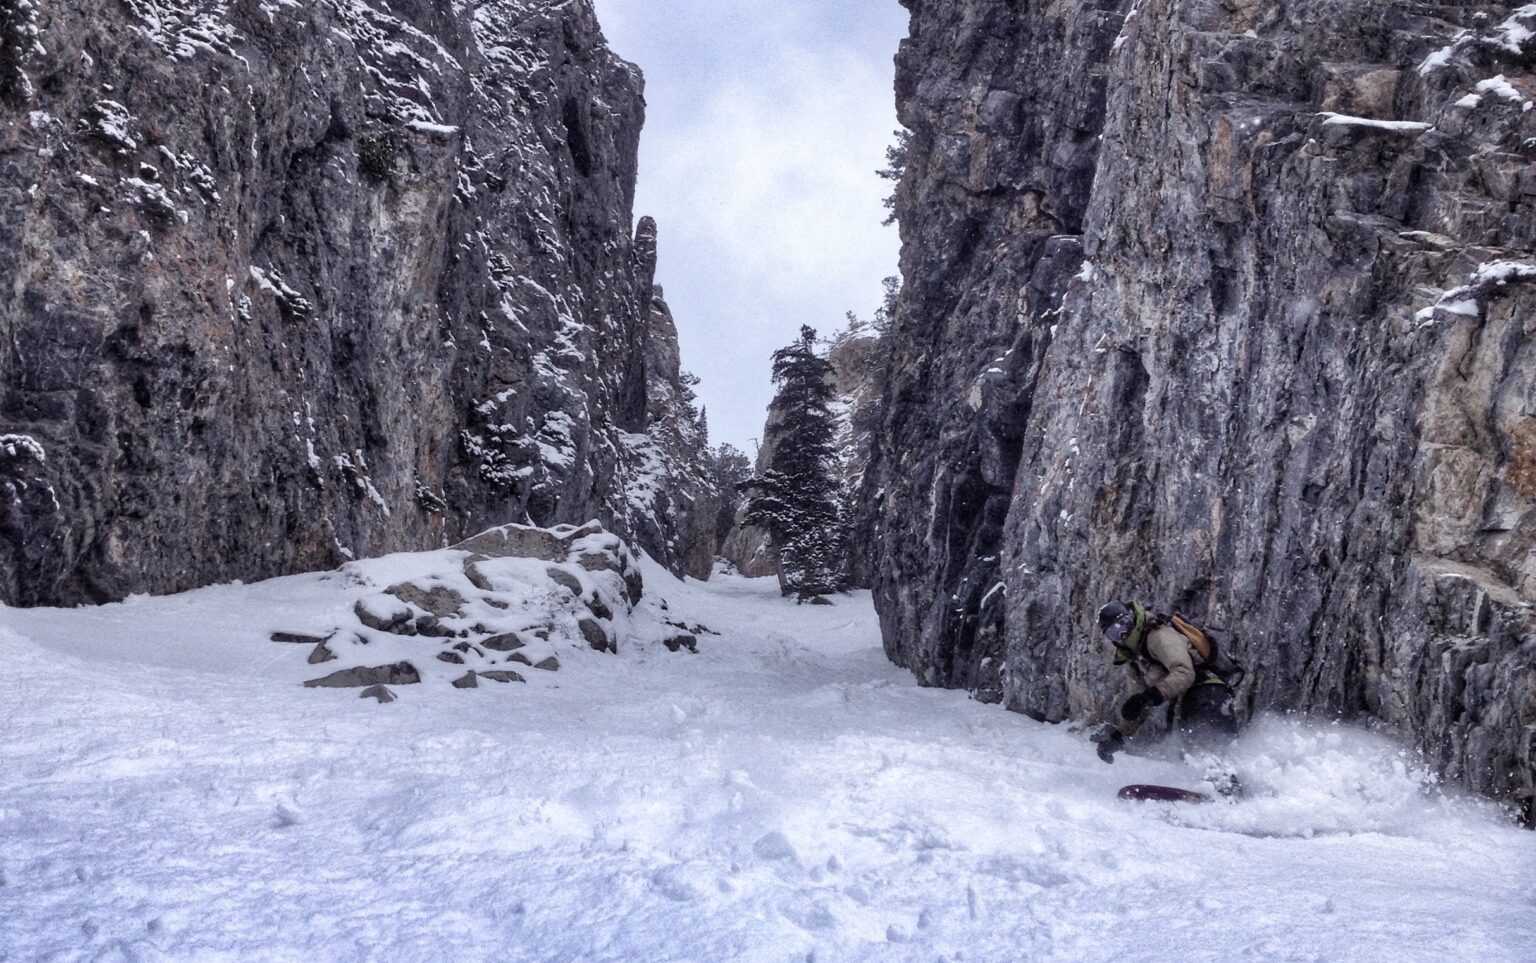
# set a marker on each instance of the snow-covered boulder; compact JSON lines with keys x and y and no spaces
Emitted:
{"x":588,"y":546}
{"x":525,"y":541}
{"x":512,"y":597}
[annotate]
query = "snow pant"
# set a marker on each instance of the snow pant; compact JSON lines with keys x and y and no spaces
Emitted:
{"x":1207,"y":717}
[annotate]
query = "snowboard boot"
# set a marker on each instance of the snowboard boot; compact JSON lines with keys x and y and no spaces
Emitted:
{"x":1108,"y":740}
{"x":1225,"y":783}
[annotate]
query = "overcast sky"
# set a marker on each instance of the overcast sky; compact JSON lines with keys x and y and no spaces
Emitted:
{"x":766,"y":121}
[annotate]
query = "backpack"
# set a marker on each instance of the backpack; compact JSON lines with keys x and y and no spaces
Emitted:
{"x":1208,"y":655}
{"x":1198,"y":640}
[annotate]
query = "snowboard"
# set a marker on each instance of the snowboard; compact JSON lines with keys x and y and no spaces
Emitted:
{"x":1146,"y":793}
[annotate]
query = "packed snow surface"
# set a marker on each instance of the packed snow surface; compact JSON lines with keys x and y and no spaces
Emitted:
{"x":168,"y":791}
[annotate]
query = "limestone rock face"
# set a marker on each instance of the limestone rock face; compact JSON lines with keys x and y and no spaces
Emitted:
{"x":292,"y":283}
{"x":749,"y":551}
{"x":1227,"y":307}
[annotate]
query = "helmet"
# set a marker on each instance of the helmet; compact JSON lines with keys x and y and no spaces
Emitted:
{"x":1116,"y":620}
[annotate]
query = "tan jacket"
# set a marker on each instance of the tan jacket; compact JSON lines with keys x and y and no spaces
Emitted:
{"x":1171,"y":666}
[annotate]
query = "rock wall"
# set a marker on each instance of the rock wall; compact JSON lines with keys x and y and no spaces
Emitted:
{"x":1223,"y":305}
{"x":858,"y":369}
{"x":292,"y":283}
{"x":671,"y":502}
{"x":749,"y":551}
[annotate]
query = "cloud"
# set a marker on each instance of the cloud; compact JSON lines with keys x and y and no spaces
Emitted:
{"x":767,"y":122}
{"x":783,"y":177}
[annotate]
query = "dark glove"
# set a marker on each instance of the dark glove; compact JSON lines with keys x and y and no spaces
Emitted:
{"x":1137,"y":705}
{"x":1109,"y":741}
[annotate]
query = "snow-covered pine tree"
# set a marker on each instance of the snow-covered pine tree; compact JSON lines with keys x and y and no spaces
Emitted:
{"x":795,"y":497}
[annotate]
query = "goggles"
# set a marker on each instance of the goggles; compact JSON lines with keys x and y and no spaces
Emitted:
{"x":1121,"y":627}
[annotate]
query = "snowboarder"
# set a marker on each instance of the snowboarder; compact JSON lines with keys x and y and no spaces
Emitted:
{"x":1170,"y":661}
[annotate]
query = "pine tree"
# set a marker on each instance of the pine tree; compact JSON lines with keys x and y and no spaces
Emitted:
{"x":795,"y":497}
{"x":886,"y":313}
{"x":686,"y":382}
{"x":896,"y":156}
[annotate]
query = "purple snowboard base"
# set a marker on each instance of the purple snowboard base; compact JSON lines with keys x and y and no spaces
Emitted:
{"x":1161,"y":794}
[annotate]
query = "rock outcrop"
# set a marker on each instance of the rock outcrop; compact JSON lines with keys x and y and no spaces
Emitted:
{"x":289,"y":283}
{"x":1227,"y":306}
{"x":858,"y":372}
{"x":748,"y":551}
{"x":508,"y":600}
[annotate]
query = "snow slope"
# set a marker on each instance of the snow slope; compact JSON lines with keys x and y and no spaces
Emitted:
{"x":169,"y":791}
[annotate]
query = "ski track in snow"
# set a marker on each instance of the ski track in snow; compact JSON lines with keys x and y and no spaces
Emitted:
{"x":169,"y":792}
